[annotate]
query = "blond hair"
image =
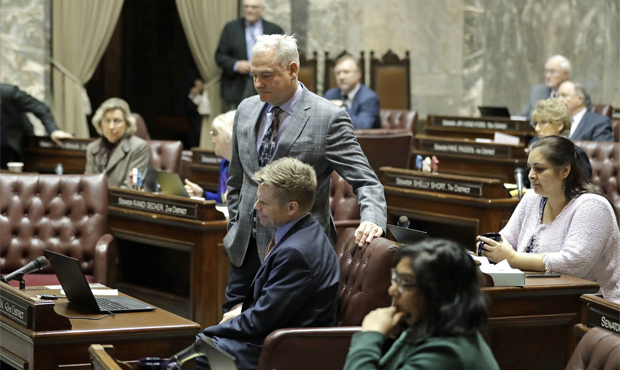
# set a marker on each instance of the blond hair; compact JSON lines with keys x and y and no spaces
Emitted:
{"x":291,"y":179}
{"x":112,"y":104}
{"x":553,"y":110}
{"x":223,"y":125}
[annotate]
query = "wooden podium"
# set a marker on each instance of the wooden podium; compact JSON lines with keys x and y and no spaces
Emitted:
{"x":469,"y":158}
{"x":37,"y":334}
{"x":170,"y":252}
{"x":445,"y":205}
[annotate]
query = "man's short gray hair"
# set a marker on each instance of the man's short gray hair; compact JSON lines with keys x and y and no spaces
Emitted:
{"x":564,"y":63}
{"x":284,"y":45}
{"x":291,"y":179}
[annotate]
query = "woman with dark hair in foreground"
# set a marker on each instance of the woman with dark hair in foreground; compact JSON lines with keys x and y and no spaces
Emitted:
{"x":438,"y":305}
{"x":565,"y":225}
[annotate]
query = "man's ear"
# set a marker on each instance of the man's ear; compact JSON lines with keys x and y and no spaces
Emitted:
{"x":292,"y":208}
{"x":293,"y":69}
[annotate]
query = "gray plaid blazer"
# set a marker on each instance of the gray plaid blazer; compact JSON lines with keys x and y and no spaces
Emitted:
{"x":320,"y":134}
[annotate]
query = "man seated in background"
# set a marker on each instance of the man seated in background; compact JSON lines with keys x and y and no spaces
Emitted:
{"x":557,"y":70}
{"x":586,"y":125}
{"x":297,"y":283}
{"x":361,"y":103}
{"x":15,"y":126}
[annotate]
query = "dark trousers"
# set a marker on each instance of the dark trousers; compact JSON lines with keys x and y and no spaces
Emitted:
{"x":240,"y":278}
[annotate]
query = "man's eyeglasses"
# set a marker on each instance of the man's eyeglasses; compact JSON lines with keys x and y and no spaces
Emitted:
{"x":401,"y":284}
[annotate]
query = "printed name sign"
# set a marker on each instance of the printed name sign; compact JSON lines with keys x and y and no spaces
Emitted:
{"x":461,"y":148}
{"x":475,"y":124}
{"x":14,"y":309}
{"x":603,"y":320}
{"x":440,"y":185}
{"x":76,"y":146}
{"x":206,"y":158}
{"x":157,"y":206}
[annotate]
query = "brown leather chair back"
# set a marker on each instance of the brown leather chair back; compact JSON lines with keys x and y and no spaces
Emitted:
{"x":166,"y":155}
{"x":615,"y":128}
{"x":389,"y":77}
{"x":605,"y":160}
{"x":364,"y":277}
{"x":386,"y":147}
{"x":142,"y":132}
{"x":603,"y":109}
{"x":65,"y":214}
{"x":342,"y":200}
{"x":399,"y":119}
{"x":599,"y":349}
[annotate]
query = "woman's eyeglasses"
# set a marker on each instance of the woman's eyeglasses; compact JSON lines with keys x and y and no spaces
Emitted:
{"x":401,"y":283}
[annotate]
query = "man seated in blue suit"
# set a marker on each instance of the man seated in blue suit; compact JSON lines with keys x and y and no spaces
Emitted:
{"x":557,"y":70}
{"x":361,"y":103}
{"x":586,"y":125}
{"x":297,"y":284}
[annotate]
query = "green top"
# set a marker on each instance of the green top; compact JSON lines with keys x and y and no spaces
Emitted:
{"x":441,"y":353}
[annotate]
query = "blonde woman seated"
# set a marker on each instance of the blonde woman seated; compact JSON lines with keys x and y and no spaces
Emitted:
{"x":565,"y":225}
{"x":552,"y":117}
{"x":118,"y":151}
{"x":222,"y":138}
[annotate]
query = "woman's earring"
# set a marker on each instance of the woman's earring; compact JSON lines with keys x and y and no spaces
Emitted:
{"x":564,"y":186}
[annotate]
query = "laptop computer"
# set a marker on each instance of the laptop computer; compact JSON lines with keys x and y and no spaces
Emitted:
{"x":494,"y":112}
{"x":171,"y":184}
{"x":404,"y":235}
{"x":78,"y":292}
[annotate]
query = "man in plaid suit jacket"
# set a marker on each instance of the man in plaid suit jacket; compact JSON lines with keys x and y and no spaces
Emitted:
{"x":311,"y":129}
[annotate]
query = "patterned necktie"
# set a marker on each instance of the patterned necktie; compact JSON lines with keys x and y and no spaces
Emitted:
{"x":270,"y":246}
{"x":345,"y":99}
{"x":268,"y":145}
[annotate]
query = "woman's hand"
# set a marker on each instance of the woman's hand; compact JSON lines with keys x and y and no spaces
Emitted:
{"x":193,"y":189}
{"x":382,"y":320}
{"x":497,"y":251}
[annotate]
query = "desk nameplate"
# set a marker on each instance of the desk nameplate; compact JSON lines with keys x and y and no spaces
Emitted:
{"x":161,"y":206}
{"x":496,"y":124}
{"x":15,"y":309}
{"x":30,"y":313}
{"x":74,"y":145}
{"x":206,"y":157}
{"x":601,"y":319}
{"x":474,"y":149}
{"x":438,"y":185}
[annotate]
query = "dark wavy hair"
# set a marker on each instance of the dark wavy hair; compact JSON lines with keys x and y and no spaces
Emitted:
{"x":561,"y":152}
{"x":448,"y":280}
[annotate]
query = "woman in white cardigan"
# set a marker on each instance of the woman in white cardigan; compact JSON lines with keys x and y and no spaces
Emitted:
{"x":565,"y":225}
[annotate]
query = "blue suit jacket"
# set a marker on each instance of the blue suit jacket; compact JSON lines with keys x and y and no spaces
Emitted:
{"x":539,"y":92}
{"x":593,"y":127}
{"x":364,"y":111}
{"x":296,"y":286}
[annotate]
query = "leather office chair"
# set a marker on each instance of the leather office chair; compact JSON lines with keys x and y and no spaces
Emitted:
{"x":605,"y":160}
{"x":603,"y":109}
{"x":615,"y":128}
{"x":400,"y":119}
{"x":65,"y":214}
{"x":142,"y":132}
{"x":343,"y":204}
{"x":364,"y":283}
{"x":386,"y":147}
{"x":599,"y":349}
{"x":166,"y":155}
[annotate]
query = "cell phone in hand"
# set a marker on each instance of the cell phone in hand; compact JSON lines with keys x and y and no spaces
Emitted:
{"x":495,"y":236}
{"x":546,"y":274}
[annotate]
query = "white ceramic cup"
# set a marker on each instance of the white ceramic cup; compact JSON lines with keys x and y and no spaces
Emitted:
{"x":15,"y":166}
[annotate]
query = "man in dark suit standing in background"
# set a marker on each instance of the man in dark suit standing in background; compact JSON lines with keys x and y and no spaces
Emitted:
{"x":586,"y":125}
{"x":361,"y":103}
{"x":297,"y":283}
{"x":15,"y":126}
{"x":557,"y":70}
{"x":234,"y":53}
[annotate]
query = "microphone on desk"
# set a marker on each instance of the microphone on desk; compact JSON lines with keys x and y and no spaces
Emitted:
{"x":38,"y":264}
{"x":519,"y":180}
{"x":403,"y":221}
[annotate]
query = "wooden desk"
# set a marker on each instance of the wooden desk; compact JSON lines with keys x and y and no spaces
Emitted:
{"x":43,"y":154}
{"x":170,"y":252}
{"x":134,"y":335}
{"x":445,"y":205}
{"x":205,"y":169}
{"x":478,"y":127}
{"x":531,"y":327}
{"x":468,"y":158}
